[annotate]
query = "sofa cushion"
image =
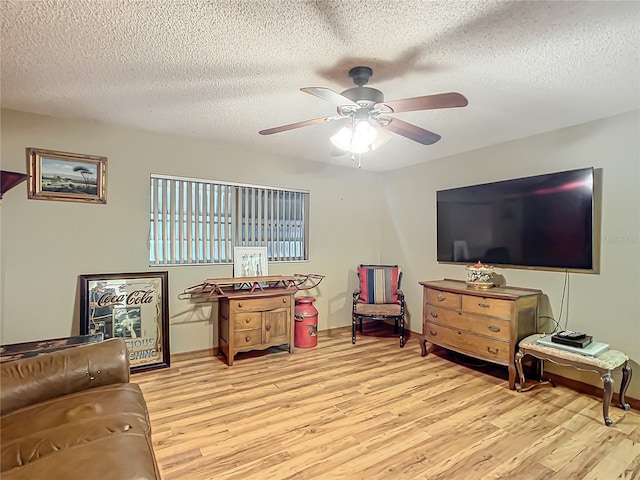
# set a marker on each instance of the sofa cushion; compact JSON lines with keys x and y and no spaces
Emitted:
{"x":127,"y":456}
{"x":83,"y":423}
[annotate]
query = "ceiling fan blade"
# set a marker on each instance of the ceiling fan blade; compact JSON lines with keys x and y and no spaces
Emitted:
{"x":329,"y":95}
{"x":305,"y":123}
{"x":410,"y":131}
{"x":426,"y":102}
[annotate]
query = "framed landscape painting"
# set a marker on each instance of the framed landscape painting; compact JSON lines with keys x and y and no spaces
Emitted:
{"x":131,"y":306}
{"x":64,"y":176}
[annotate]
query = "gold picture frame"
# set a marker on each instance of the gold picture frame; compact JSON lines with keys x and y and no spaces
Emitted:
{"x":68,"y":177}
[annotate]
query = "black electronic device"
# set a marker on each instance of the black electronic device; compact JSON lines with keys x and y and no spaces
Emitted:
{"x":572,"y":339}
{"x":547,"y":222}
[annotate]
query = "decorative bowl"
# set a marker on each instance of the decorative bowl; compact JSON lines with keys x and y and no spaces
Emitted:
{"x":479,"y":275}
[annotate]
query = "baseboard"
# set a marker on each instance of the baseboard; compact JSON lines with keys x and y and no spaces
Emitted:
{"x":336,"y":330}
{"x":207,"y":352}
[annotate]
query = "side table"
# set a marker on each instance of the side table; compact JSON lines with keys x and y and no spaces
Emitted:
{"x":604,"y":364}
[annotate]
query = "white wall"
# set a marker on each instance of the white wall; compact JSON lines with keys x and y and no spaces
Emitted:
{"x":46,"y":245}
{"x":606,"y":305}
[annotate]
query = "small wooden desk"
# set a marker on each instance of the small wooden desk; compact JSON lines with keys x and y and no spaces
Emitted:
{"x":255,"y":321}
{"x":604,"y":364}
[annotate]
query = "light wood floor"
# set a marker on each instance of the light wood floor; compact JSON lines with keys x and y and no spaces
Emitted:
{"x":375,"y":411}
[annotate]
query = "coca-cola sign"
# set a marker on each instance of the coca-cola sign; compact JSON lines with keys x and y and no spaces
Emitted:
{"x":131,"y":306}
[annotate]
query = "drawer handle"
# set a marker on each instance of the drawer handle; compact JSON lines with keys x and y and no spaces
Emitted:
{"x":284,"y":300}
{"x":484,"y":305}
{"x":240,"y":305}
{"x":434,"y":314}
{"x":247,"y":320}
{"x":493,"y":328}
{"x":442,"y":298}
{"x":268,"y":327}
{"x":494,"y":350}
{"x":247,"y":339}
{"x":435,"y":334}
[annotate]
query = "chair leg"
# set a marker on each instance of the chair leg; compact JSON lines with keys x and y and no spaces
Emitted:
{"x":360,"y":324}
{"x":395,"y":327}
{"x":626,"y":378}
{"x":402,"y":332}
{"x":353,"y":329}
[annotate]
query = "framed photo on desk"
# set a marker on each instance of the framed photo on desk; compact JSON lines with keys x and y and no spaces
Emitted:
{"x":250,"y":262}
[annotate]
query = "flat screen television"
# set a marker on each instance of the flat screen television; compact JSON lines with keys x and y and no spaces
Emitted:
{"x":545,"y":222}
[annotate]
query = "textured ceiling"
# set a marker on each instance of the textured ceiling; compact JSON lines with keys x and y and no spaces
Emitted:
{"x":227,"y":69}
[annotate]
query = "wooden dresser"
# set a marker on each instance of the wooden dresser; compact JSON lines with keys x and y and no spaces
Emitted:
{"x":255,"y":321}
{"x":483,"y":323}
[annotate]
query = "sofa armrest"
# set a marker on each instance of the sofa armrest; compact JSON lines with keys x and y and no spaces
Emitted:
{"x":49,"y":375}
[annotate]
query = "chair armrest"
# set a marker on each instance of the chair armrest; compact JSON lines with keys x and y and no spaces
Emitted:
{"x":50,"y":375}
{"x":356,"y":295}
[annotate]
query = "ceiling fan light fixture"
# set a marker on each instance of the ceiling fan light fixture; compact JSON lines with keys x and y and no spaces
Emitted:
{"x":364,"y":133}
{"x":342,"y":139}
{"x":361,"y":139}
{"x":382,"y":138}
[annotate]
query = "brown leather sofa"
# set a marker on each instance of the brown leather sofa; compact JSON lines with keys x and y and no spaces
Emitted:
{"x":73,"y":414}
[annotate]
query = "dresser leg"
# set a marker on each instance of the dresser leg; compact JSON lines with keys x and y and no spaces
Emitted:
{"x":423,"y":345}
{"x":626,"y":378}
{"x":607,"y":380}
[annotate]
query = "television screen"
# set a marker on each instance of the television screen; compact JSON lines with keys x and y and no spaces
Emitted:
{"x":545,"y":222}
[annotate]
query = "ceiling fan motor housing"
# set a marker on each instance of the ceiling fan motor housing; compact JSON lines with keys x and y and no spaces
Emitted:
{"x":365,"y":96}
{"x":360,"y":75}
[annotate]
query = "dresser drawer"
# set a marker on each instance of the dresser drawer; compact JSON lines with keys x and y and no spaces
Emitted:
{"x":261,"y":304}
{"x":465,"y":342}
{"x":247,"y":320}
{"x":247,"y":338}
{"x":490,"y":327}
{"x":443,"y":299}
{"x":487,"y":306}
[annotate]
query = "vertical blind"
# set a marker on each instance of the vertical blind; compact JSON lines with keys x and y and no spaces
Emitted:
{"x":200,"y":221}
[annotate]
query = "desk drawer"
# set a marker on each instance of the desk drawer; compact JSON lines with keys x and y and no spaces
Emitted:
{"x":247,"y":338}
{"x":247,"y":320}
{"x":490,"y":327}
{"x":475,"y":345}
{"x":443,"y":299}
{"x":487,"y":306}
{"x":261,"y":304}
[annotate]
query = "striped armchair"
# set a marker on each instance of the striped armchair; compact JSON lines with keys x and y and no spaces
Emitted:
{"x":378,"y":298}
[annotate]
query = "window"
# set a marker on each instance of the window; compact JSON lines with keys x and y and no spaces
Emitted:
{"x":200,"y":221}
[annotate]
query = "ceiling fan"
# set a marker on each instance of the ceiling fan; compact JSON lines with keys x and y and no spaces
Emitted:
{"x":366,"y":116}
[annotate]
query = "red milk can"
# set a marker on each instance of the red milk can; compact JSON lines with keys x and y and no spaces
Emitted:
{"x":306,"y":329}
